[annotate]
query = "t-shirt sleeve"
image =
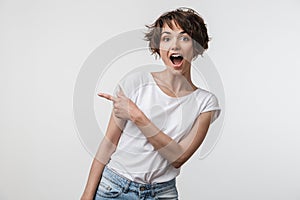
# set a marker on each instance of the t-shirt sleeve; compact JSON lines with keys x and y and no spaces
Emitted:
{"x":129,"y":84}
{"x":212,"y":104}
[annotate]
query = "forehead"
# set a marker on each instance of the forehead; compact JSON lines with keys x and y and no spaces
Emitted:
{"x":174,"y":27}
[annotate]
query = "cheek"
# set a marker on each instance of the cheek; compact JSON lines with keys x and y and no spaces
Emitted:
{"x":164,"y":47}
{"x":163,"y":53}
{"x":189,"y":51}
{"x":187,"y":46}
{"x":164,"y":56}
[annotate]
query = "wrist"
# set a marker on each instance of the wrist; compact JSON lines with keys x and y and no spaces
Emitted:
{"x":145,"y":125}
{"x":87,"y":197}
{"x":139,"y":118}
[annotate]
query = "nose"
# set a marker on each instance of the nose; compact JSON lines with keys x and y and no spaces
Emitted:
{"x":175,"y":45}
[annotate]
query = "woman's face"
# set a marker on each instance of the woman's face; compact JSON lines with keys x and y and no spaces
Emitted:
{"x":176,"y":48}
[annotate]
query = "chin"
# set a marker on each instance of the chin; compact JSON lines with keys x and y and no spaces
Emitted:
{"x":179,"y":69}
{"x":176,"y":70}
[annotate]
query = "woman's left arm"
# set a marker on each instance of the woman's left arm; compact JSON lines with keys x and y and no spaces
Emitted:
{"x":176,"y":153}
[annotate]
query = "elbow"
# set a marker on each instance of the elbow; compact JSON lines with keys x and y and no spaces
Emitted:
{"x":177,"y":164}
{"x":179,"y":161}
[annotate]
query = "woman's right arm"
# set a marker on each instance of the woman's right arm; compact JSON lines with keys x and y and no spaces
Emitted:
{"x":93,"y":180}
{"x":105,"y":150}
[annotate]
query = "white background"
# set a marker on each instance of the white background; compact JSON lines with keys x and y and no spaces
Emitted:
{"x":254,"y":46}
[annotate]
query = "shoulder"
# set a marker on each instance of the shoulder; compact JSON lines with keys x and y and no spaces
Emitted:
{"x":134,"y":77}
{"x":132,"y":81}
{"x":205,"y":95}
{"x":209,"y":102}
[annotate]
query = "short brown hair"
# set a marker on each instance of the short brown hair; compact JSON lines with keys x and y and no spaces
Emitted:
{"x":187,"y":19}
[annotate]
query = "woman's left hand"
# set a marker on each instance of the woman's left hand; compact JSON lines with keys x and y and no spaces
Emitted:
{"x":124,"y":108}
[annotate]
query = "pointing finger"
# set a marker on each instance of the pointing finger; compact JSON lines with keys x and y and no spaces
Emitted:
{"x":106,"y":96}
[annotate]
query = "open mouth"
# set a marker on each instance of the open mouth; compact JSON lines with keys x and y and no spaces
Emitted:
{"x":176,"y":59}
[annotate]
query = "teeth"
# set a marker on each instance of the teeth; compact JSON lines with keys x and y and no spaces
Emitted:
{"x":176,"y":56}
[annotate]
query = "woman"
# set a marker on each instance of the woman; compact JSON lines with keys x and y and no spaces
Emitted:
{"x":159,"y":119}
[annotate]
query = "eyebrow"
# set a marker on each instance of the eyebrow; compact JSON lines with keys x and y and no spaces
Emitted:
{"x":169,"y":33}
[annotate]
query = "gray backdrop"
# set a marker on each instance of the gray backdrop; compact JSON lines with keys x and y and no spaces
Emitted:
{"x":255,"y":45}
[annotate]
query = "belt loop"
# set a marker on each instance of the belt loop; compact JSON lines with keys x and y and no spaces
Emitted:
{"x":153,"y":186}
{"x":126,"y":188}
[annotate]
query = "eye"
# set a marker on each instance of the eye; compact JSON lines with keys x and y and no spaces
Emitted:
{"x":185,"y":38}
{"x":165,"y":39}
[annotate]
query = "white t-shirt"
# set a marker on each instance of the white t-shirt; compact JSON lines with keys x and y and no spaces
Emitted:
{"x":135,"y":158}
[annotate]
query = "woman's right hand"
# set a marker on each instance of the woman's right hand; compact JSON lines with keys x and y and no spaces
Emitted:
{"x":86,"y":197}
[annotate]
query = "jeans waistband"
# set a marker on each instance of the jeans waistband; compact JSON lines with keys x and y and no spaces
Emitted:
{"x":132,"y":185}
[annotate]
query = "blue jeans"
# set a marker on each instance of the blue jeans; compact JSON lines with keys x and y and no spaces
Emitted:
{"x":114,"y":186}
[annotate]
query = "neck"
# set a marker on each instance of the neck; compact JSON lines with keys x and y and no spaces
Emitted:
{"x":178,"y":83}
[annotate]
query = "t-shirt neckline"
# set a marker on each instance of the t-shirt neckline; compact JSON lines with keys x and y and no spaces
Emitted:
{"x":166,"y":95}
